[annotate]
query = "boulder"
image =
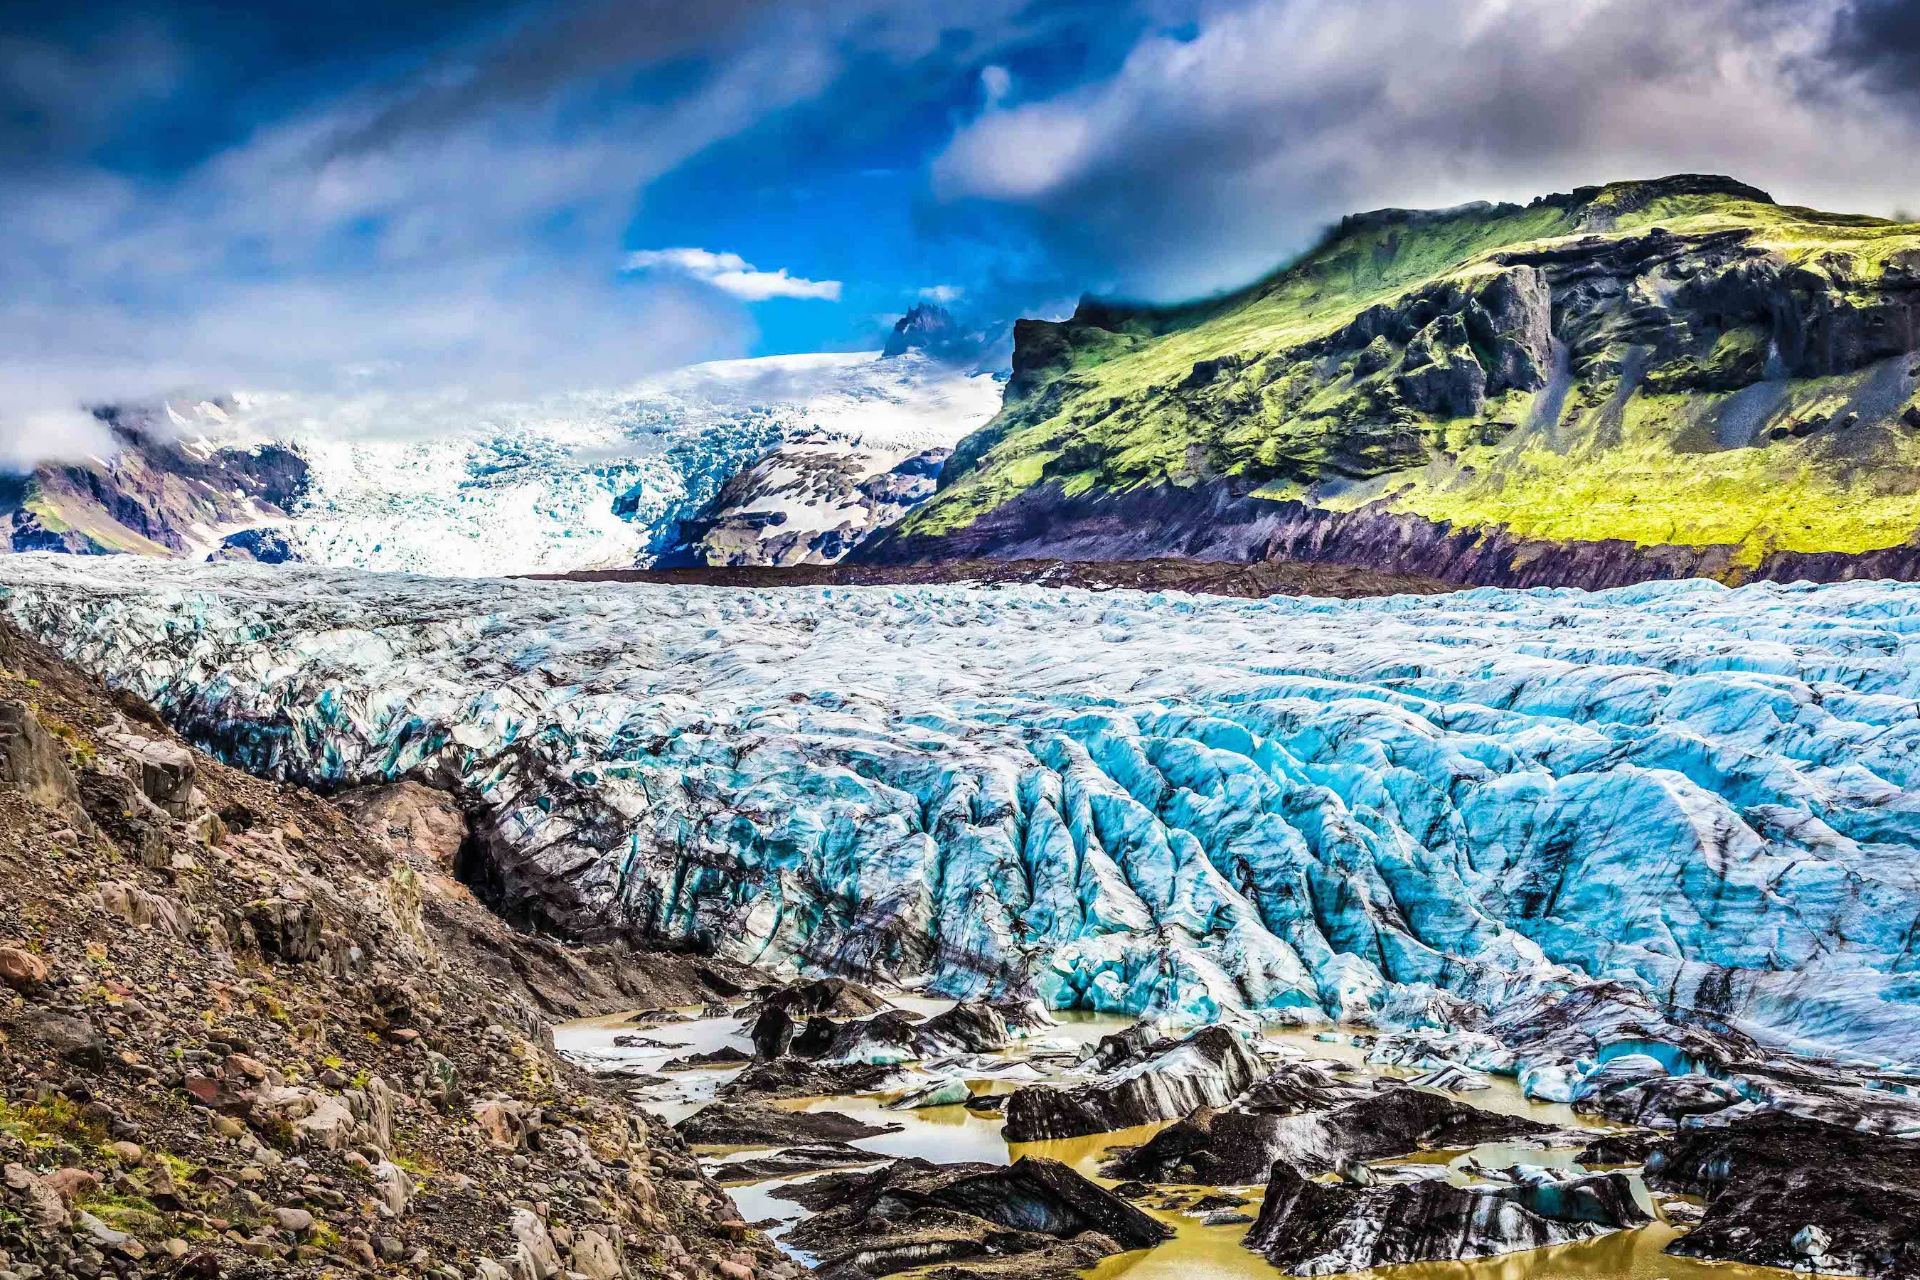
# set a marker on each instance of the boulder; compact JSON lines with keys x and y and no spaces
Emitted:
{"x":746,"y":1124}
{"x":22,"y":970}
{"x":1207,"y":1069}
{"x":285,"y":928}
{"x":32,"y":760}
{"x":971,"y":1026}
{"x":534,"y":1257}
{"x":165,"y":771}
{"x":1308,"y":1228}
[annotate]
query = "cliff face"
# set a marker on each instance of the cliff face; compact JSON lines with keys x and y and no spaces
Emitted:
{"x":1637,"y":381}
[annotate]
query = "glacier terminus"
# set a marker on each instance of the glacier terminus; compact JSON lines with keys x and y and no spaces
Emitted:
{"x":1431,"y":815}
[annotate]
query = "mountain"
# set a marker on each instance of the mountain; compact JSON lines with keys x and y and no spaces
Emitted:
{"x":167,"y":490}
{"x":586,"y":480}
{"x":934,"y":331}
{"x":1641,"y":380}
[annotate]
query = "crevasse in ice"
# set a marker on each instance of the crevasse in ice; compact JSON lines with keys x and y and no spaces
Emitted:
{"x":1178,"y":806}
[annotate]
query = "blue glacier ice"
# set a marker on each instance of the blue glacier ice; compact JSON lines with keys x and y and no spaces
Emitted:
{"x":1404,"y":811}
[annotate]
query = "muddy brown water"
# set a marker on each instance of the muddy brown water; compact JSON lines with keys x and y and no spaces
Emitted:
{"x":1197,"y":1252}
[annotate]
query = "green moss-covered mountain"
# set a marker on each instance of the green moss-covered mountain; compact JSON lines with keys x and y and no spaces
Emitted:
{"x":1638,"y":380}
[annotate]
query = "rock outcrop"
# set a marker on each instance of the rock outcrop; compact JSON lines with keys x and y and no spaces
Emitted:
{"x":809,"y":502}
{"x":156,"y":495}
{"x":230,"y":1047}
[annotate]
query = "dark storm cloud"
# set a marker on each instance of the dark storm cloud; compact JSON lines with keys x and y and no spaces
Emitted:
{"x":1215,"y":152}
{"x":1882,"y":38}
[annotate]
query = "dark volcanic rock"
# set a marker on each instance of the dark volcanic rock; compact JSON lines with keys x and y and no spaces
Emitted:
{"x":799,"y":1078}
{"x":1236,"y":1146}
{"x":1789,"y":1192}
{"x":724,"y":1056}
{"x":771,"y":1033}
{"x":1616,"y":1148}
{"x":834,"y":997}
{"x":962,"y":1216}
{"x":791,"y":1161}
{"x":1316,"y":1229}
{"x":1208,"y":1068}
{"x":1301,"y":1086}
{"x":745,"y":1124}
{"x":885,"y":1037}
{"x":968,"y":1027}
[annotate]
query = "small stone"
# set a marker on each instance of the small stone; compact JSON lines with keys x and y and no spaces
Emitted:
{"x":1811,"y":1242}
{"x":21,"y":970}
{"x":228,"y":1127}
{"x":252,"y":1068}
{"x":298,"y":1221}
{"x":127,"y":1153}
{"x":73,"y":1183}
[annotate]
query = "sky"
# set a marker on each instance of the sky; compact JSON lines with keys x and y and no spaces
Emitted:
{"x":510,"y":198}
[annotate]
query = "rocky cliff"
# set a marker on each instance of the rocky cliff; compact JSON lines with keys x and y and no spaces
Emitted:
{"x":1644,"y":380}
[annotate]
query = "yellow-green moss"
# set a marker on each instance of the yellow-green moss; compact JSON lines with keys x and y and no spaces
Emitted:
{"x":1117,"y":418}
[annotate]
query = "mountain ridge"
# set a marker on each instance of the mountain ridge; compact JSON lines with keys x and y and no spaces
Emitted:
{"x":1632,"y":381}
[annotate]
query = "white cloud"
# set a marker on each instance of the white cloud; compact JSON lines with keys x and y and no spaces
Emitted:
{"x":995,"y":83}
{"x":59,"y":435}
{"x":733,"y":274}
{"x":944,"y":294}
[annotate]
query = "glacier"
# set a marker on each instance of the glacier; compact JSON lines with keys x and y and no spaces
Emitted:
{"x":1403,"y":811}
{"x":585,"y":480}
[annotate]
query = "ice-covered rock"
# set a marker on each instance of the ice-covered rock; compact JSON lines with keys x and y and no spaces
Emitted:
{"x":1316,"y":1229}
{"x":1033,"y":1217}
{"x":1207,"y":1069}
{"x":1391,"y":810}
{"x":1238,"y":1145}
{"x":1778,"y":1185}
